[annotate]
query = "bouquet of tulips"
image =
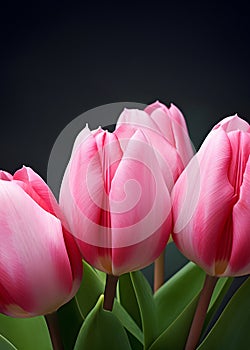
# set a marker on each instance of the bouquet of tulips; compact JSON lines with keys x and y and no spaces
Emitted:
{"x":70,"y":268}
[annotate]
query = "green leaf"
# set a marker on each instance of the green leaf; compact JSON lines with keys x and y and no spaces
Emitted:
{"x":128,"y":299}
{"x":174,"y":337}
{"x":91,"y":288}
{"x":25,"y":332}
{"x":69,"y":314}
{"x":176,"y":302}
{"x":102,"y":330}
{"x":102,"y":275}
{"x":146,"y":305}
{"x":220,"y":291}
{"x":174,"y":296}
{"x":127,"y":321}
{"x":5,"y":344}
{"x":231,"y":331}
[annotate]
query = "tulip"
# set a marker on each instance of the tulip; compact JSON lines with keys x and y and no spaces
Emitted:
{"x":115,"y":200}
{"x":211,"y":202}
{"x":40,"y":265}
{"x":167,"y":131}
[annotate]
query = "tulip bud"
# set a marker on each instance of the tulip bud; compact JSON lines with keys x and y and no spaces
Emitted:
{"x":115,"y":200}
{"x":211,"y":202}
{"x":40,"y":265}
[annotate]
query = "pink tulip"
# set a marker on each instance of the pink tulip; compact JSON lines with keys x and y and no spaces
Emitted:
{"x":166,"y":130}
{"x":211,"y":202}
{"x":40,"y":265}
{"x":115,"y":201}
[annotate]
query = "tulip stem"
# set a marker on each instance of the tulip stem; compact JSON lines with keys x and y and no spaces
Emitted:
{"x":110,"y":292}
{"x":54,"y":332}
{"x":201,"y":311}
{"x":159,"y":271}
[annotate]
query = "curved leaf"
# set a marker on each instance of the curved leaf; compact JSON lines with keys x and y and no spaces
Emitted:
{"x":173,"y":297}
{"x":174,"y":337}
{"x":102,"y":330}
{"x":176,"y":303}
{"x":5,"y":344}
{"x":25,"y":332}
{"x":146,"y":305}
{"x":220,"y":291}
{"x":231,"y":331}
{"x":91,"y":288}
{"x":127,"y":321}
{"x":127,"y":298}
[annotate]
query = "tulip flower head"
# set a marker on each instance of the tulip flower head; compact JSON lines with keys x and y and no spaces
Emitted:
{"x":40,"y":265}
{"x":211,"y":202}
{"x":115,"y":200}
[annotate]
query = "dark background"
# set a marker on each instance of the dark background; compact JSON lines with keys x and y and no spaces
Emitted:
{"x":59,"y":60}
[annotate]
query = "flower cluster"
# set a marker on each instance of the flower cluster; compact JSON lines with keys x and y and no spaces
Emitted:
{"x":122,"y":195}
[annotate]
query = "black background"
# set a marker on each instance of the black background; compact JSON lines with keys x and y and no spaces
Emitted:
{"x":60,"y":59}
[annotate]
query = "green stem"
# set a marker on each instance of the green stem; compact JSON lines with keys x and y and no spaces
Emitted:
{"x":110,"y":292}
{"x":201,"y":311}
{"x":53,"y":327}
{"x":159,"y":271}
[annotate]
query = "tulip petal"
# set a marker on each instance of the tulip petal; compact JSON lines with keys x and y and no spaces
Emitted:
{"x":38,"y":190}
{"x":183,"y":142}
{"x":4,"y":175}
{"x":240,"y":258}
{"x":140,"y":206}
{"x":33,"y":259}
{"x":84,"y":199}
{"x":171,"y":124}
{"x":233,"y":123}
{"x":202,"y":200}
{"x":169,"y":161}
{"x":137,"y":118}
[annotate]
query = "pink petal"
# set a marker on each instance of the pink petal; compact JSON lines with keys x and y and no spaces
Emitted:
{"x":139,"y":201}
{"x":202,"y":200}
{"x":169,"y":161}
{"x":182,"y":140}
{"x":137,"y":119}
{"x":233,"y":123}
{"x":84,"y":199}
{"x":34,"y":265}
{"x":153,"y":106}
{"x":4,"y":175}
{"x":240,"y":257}
{"x":34,"y":185}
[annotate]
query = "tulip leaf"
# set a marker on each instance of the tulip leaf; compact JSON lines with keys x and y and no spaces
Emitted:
{"x":176,"y":302}
{"x":102,"y":275}
{"x":102,"y":330}
{"x":91,"y":288}
{"x":231,"y":331}
{"x":23,"y":333}
{"x":69,"y":314}
{"x":128,"y":299}
{"x":146,"y":305}
{"x":174,"y":337}
{"x":220,"y":291}
{"x":173,"y":297}
{"x":5,"y":344}
{"x":127,"y":321}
